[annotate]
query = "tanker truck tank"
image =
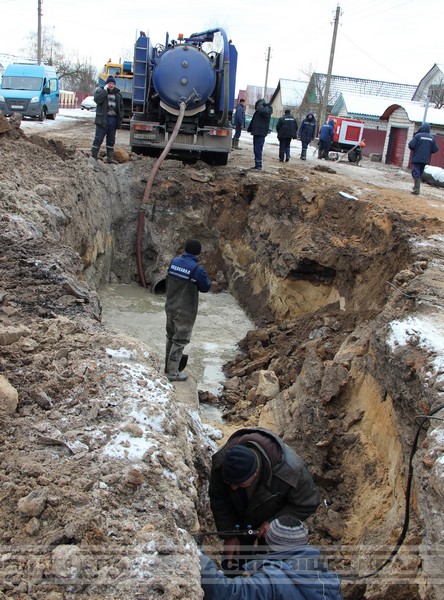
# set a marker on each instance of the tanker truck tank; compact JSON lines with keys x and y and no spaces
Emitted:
{"x":198,"y":71}
{"x":184,"y":74}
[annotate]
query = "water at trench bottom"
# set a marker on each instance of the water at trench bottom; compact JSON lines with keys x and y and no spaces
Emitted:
{"x":220,"y":325}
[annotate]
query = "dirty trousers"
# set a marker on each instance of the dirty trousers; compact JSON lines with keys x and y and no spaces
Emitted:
{"x":109,"y":132}
{"x":178,"y":335}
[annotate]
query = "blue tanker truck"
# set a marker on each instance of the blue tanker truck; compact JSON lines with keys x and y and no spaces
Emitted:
{"x":198,"y":71}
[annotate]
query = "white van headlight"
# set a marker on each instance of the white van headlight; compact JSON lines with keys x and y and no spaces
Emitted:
{"x":2,"y":98}
{"x":35,"y":99}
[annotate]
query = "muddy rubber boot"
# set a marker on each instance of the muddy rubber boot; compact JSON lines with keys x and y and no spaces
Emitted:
{"x":177,"y":376}
{"x":416,"y":187}
{"x":173,"y":371}
{"x":235,"y":145}
{"x":304,"y":155}
{"x":94,"y":153}
{"x":320,"y":154}
{"x":110,"y":156}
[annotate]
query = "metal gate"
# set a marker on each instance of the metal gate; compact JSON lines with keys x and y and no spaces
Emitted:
{"x":396,"y":146}
{"x":374,"y":141}
{"x":437,"y":159}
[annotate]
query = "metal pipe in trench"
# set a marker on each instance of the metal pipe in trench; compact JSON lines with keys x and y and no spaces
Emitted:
{"x":146,"y":195}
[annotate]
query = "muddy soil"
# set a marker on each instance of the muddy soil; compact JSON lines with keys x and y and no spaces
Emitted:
{"x":105,"y":464}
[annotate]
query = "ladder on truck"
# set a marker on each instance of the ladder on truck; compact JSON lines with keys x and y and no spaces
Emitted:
{"x":142,"y":73}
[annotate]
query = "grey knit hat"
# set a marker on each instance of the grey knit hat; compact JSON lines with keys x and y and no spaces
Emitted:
{"x":286,"y":532}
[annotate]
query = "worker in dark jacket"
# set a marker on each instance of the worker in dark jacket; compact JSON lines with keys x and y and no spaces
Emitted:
{"x":423,"y":145}
{"x":307,"y":133}
{"x":255,"y":478}
{"x":109,"y":115}
{"x":185,"y":279}
{"x":238,"y":122}
{"x":259,"y":128}
{"x":291,"y":570}
{"x":326,"y":134}
{"x":287,"y":128}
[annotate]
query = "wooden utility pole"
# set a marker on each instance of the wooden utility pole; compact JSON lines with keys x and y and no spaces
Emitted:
{"x":323,"y":114}
{"x":266,"y":73}
{"x":39,"y":32}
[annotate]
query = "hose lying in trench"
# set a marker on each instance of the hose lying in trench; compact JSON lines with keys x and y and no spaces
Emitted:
{"x":408,"y":490}
{"x":146,"y":195}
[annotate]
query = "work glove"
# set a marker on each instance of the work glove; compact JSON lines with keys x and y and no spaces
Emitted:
{"x":105,"y":87}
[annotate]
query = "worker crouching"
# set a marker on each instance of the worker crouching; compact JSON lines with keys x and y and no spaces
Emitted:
{"x":256,"y":477}
{"x":290,"y":570}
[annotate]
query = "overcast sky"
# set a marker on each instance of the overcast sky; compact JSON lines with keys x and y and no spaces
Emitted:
{"x":389,"y":40}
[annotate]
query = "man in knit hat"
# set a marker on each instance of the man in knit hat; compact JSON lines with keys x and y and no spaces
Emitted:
{"x":255,"y":478}
{"x":291,"y":570}
{"x":185,"y":279}
{"x":109,"y":115}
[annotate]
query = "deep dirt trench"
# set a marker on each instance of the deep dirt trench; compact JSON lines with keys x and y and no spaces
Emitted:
{"x":97,"y":501}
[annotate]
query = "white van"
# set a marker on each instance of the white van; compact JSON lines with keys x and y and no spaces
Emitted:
{"x":32,"y":90}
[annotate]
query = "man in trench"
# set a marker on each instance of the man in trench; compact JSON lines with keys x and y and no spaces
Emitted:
{"x":290,"y":570}
{"x":185,"y":279}
{"x":255,"y":477}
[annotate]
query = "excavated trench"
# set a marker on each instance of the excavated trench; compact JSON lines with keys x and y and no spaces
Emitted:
{"x":314,"y":272}
{"x":323,"y":277}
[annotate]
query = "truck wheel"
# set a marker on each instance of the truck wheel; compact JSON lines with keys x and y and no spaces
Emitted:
{"x":52,"y":116}
{"x":42,"y":115}
{"x":215,"y":158}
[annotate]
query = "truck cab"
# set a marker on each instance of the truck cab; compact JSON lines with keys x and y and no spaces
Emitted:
{"x":30,"y":89}
{"x":123,"y":74}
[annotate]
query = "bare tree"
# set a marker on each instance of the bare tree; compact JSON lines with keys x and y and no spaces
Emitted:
{"x":314,"y":95}
{"x":436,"y":93}
{"x":75,"y":74}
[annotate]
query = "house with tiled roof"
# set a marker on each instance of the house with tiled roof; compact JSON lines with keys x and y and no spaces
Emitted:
{"x":431,"y":84}
{"x":390,"y":123}
{"x":288,"y":94}
{"x":351,"y":85}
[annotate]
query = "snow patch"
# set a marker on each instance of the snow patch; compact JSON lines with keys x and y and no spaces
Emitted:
{"x":425,"y":332}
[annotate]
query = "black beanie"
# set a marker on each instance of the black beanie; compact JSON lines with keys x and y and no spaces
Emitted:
{"x":239,"y":464}
{"x":110,"y":79}
{"x":193,"y":247}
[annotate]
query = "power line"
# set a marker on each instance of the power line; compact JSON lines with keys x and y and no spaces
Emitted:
{"x":367,"y":54}
{"x":377,"y":13}
{"x":330,"y":68}
{"x":359,"y":9}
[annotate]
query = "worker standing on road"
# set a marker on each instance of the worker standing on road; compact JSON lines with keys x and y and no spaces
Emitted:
{"x":423,"y":145}
{"x":326,"y":135}
{"x":291,"y":570}
{"x":287,"y":128}
{"x":109,"y":115}
{"x":307,"y":133}
{"x":259,"y":128}
{"x":185,"y":279}
{"x":239,"y":123}
{"x":255,"y":477}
